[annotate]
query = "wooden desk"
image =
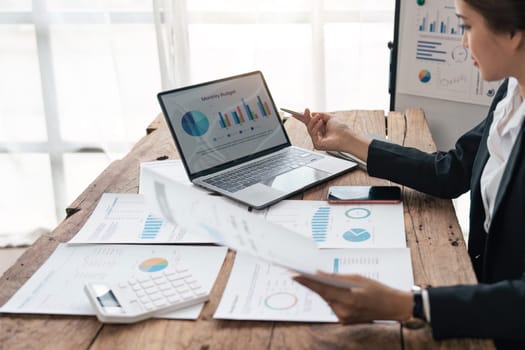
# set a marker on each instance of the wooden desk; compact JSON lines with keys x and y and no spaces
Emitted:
{"x":439,"y":257}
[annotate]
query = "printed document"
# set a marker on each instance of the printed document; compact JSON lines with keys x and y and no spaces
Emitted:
{"x":259,"y":290}
{"x":124,"y":218}
{"x":236,"y":228}
{"x":342,"y":225}
{"x":57,"y":286}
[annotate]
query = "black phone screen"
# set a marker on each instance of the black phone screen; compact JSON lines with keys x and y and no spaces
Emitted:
{"x":364,"y":193}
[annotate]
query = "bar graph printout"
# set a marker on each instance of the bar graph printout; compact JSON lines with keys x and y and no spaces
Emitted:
{"x":124,"y":218}
{"x":433,"y":61}
{"x":258,"y":290}
{"x":244,"y":231}
{"x":341,"y":225}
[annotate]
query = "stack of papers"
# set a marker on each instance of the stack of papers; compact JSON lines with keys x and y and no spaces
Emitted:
{"x":95,"y":254}
{"x":302,"y":236}
{"x":288,"y":236}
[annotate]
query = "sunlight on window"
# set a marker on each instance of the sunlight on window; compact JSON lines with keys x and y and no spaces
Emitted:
{"x":21,"y":105}
{"x":103,"y":60}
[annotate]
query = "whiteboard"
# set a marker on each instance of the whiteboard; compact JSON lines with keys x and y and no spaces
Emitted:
{"x":431,"y":70}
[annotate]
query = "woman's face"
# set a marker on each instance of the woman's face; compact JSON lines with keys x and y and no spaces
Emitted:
{"x":489,"y":50}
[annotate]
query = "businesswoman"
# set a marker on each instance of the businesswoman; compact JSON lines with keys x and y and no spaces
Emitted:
{"x":489,"y":160}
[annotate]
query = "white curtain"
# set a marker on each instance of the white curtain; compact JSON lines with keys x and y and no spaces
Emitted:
{"x":81,"y":75}
{"x":171,"y":26}
{"x":327,"y":55}
{"x":77,"y":77}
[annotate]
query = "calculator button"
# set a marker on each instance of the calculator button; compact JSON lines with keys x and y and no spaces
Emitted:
{"x":169,"y":273}
{"x":164,"y":286}
{"x":175,"y":278}
{"x":178,"y":284}
{"x":147,"y":284}
{"x":180,"y":269}
{"x":155,"y":296}
{"x":199,"y":292}
{"x":160,"y":302}
{"x":182,"y":289}
{"x":150,"y":290}
{"x":173,"y":299}
{"x":186,"y":295}
{"x":168,"y":293}
{"x":190,"y":280}
{"x":195,"y":285}
{"x":143,"y":279}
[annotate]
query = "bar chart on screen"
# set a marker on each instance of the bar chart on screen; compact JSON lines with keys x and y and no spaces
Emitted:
{"x":243,"y":113}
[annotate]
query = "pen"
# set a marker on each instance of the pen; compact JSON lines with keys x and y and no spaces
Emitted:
{"x":294,"y":113}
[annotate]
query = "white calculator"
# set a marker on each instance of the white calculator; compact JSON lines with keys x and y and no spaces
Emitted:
{"x":145,"y":296}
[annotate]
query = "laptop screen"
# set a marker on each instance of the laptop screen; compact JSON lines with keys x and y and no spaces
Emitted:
{"x":223,"y":121}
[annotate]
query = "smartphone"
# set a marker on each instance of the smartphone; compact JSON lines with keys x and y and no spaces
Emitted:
{"x":294,"y":113}
{"x":364,"y":194}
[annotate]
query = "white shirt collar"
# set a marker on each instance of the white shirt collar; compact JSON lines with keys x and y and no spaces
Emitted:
{"x":511,"y":112}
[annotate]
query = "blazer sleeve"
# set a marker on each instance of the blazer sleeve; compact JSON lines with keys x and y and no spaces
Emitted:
{"x":442,"y":174}
{"x":481,"y":311}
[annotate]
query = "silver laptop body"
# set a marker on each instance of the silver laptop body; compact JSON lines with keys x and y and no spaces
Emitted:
{"x":232,"y":141}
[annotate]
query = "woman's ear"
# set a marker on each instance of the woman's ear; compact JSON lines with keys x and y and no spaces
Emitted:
{"x":517,"y":39}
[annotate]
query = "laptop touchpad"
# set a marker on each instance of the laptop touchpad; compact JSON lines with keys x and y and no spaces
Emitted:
{"x":296,"y":179}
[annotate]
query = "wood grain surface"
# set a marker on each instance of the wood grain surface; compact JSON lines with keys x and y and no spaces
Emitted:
{"x":438,"y":252}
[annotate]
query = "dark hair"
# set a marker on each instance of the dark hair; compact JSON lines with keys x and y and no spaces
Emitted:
{"x":501,"y":15}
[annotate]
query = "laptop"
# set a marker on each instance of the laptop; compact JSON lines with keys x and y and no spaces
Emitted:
{"x":232,"y":141}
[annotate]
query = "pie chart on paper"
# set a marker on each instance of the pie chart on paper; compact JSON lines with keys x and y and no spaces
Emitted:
{"x":153,"y":265}
{"x":357,"y":235}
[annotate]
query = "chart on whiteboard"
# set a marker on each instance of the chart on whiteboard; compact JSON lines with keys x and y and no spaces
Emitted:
{"x":432,"y":59}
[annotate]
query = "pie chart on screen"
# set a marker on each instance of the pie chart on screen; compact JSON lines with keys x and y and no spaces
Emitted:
{"x":195,"y":123}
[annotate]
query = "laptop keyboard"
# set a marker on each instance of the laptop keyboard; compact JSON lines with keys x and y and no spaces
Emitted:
{"x":258,"y":171}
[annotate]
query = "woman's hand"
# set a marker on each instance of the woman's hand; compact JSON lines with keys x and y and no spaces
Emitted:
{"x":329,"y":133}
{"x":370,"y":301}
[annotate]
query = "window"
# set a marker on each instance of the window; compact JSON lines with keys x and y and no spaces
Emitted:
{"x":77,"y":89}
{"x":79,"y":78}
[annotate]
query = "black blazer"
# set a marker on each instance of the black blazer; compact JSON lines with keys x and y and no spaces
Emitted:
{"x":495,"y":308}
